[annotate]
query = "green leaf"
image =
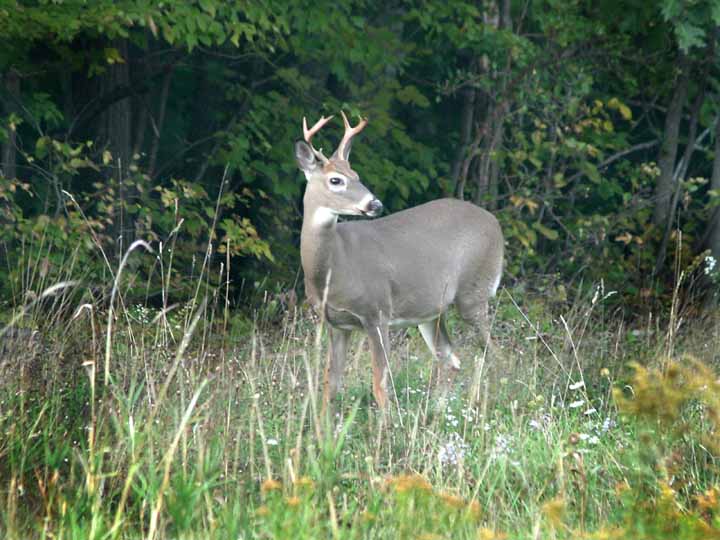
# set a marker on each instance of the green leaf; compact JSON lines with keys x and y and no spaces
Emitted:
{"x":689,"y":36}
{"x":591,"y":171}
{"x":548,"y":233}
{"x":411,"y":94}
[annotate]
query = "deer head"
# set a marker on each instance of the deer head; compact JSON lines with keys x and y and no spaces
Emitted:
{"x":334,"y":188}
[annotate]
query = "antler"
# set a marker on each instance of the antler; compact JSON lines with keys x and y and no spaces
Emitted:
{"x":343,"y":149}
{"x":308,"y":133}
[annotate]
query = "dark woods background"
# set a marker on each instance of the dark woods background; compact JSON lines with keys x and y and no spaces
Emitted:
{"x":590,"y":129}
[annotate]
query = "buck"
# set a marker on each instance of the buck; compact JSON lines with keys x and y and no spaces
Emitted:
{"x":402,"y":270}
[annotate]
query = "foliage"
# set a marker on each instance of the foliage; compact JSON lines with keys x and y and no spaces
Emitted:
{"x":211,"y":95}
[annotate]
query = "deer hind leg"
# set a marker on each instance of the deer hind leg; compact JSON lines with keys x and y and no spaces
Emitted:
{"x":444,"y":370}
{"x":475,"y":311}
{"x":438,"y":341}
{"x":378,"y":336}
{"x":335,"y":366}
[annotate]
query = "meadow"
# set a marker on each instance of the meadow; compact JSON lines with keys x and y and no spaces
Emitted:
{"x":121,"y":420}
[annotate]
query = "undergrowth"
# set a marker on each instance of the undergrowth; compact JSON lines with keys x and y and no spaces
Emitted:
{"x":178,"y":419}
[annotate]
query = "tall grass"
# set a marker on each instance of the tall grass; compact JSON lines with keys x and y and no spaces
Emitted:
{"x":182,"y":420}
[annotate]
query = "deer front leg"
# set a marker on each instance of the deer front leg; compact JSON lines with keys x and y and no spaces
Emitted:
{"x":380,"y":351}
{"x":335,"y":366}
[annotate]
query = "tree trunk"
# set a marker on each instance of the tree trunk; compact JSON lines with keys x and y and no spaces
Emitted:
{"x":117,"y":131}
{"x":164,"y":92}
{"x":466,"y":124}
{"x":8,"y":155}
{"x":665,"y":185}
{"x":488,"y":170}
{"x":680,"y":172}
{"x":714,"y":223}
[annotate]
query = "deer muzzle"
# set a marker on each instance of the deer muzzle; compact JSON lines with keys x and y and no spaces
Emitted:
{"x":374,"y":208}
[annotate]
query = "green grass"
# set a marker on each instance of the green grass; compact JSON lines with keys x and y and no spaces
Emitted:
{"x":202,"y":431}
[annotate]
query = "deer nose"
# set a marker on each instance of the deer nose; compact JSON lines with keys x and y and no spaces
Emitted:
{"x":375,"y":207}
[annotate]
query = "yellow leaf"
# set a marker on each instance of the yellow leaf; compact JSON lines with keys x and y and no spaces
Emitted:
{"x":625,"y":111}
{"x":625,"y":238}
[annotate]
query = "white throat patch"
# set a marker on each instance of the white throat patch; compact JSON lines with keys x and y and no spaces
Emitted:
{"x":324,"y":216}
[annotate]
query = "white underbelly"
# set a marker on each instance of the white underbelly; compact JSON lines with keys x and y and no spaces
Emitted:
{"x":404,"y":323}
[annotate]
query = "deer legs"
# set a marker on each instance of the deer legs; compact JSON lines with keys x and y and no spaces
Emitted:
{"x":437,"y":339}
{"x":447,"y":365}
{"x":335,"y":366}
{"x":378,"y":336}
{"x":477,"y":313}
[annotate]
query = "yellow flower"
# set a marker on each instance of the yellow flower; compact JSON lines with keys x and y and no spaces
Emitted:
{"x":489,"y":534}
{"x":367,"y":516}
{"x":293,"y":501}
{"x":304,"y":482}
{"x":474,"y":509}
{"x":708,"y":500}
{"x":410,"y":482}
{"x":270,"y":485}
{"x":262,"y":511}
{"x":553,"y":511}
{"x":453,"y":501}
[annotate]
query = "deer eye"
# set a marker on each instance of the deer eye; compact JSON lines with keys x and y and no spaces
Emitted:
{"x":337,"y":183}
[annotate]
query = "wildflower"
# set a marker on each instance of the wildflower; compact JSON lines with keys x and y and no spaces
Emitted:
{"x":535,"y":424}
{"x":474,"y":509}
{"x":293,"y":501}
{"x":270,"y":485}
{"x":576,"y":404}
{"x":502,"y":446}
{"x":272,"y":442}
{"x":452,"y":451}
{"x":710,"y":263}
{"x":554,"y":511}
{"x":304,"y":482}
{"x":367,"y":515}
{"x":577,"y":385}
{"x":410,"y":482}
{"x":489,"y":534}
{"x":453,"y":501}
{"x":607,"y":425}
{"x":262,"y":511}
{"x":708,"y":500}
{"x":590,"y":411}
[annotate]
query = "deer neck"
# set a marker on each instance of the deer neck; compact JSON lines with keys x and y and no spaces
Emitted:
{"x":318,"y":241}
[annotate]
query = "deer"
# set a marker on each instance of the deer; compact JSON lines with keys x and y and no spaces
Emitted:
{"x":405,"y":269}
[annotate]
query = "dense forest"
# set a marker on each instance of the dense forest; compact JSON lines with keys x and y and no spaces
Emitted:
{"x":590,"y":128}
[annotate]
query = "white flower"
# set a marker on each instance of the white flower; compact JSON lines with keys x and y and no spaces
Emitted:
{"x":577,"y":385}
{"x":710,"y":263}
{"x":607,"y":425}
{"x":272,"y":442}
{"x":576,"y":404}
{"x":535,"y":424}
{"x":453,"y":450}
{"x":590,"y":411}
{"x":502,"y":446}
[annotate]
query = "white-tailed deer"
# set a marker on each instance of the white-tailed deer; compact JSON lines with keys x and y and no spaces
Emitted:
{"x":402,"y":270}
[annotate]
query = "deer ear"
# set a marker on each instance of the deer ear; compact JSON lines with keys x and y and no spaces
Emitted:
{"x":305,"y":157}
